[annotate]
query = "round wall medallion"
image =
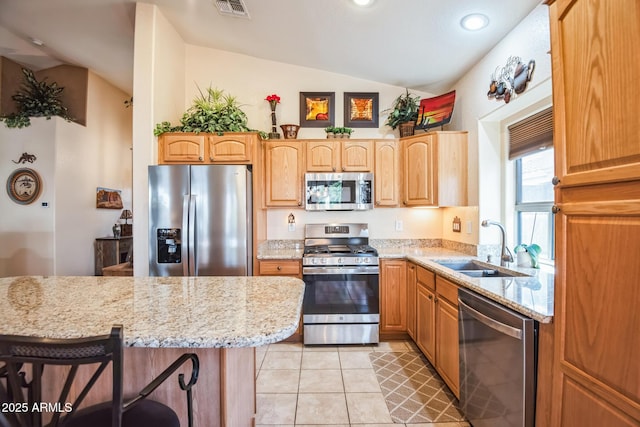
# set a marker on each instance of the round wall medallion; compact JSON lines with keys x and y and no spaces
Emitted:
{"x":24,"y":186}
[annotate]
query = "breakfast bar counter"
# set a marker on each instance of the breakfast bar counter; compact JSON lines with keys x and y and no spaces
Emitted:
{"x":221,"y":319}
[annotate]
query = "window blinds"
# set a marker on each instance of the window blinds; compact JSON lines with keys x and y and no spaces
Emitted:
{"x":531,"y":134}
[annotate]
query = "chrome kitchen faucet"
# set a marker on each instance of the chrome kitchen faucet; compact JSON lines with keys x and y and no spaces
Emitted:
{"x":505,"y":253}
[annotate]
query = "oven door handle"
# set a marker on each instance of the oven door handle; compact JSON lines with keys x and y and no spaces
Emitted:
{"x":340,"y":270}
{"x":488,"y":321}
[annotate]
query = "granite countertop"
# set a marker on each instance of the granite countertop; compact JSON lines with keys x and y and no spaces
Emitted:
{"x":529,"y":292}
{"x":184,"y":312}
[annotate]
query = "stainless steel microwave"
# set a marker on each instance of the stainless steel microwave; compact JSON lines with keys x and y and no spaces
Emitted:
{"x":338,"y":191}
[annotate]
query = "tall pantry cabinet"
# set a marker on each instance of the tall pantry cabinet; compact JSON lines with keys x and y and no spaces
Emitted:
{"x":596,"y":369}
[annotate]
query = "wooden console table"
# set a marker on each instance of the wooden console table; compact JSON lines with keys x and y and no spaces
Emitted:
{"x":111,"y":251}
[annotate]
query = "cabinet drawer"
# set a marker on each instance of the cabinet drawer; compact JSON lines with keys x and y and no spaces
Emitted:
{"x":447,"y":290}
{"x":279,"y":268}
{"x":426,"y":278}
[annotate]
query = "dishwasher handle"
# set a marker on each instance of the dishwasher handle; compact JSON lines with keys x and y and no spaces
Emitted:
{"x":492,"y":323}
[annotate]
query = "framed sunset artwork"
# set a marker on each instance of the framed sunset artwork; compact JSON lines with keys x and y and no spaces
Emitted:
{"x":317,"y":109}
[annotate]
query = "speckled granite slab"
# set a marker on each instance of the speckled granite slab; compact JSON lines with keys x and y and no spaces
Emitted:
{"x":184,"y":312}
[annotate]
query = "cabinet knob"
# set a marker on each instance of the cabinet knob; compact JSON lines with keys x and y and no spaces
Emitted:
{"x":404,"y":202}
{"x":555,"y":180}
{"x":333,"y":169}
{"x":299,"y":203}
{"x":278,"y":268}
{"x":200,"y":158}
{"x":430,"y":297}
{"x":211,"y":158}
{"x":555,"y":209}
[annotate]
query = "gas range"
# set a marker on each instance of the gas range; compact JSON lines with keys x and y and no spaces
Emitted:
{"x":338,"y":245}
{"x":342,"y":293}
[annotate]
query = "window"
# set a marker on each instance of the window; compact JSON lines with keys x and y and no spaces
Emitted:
{"x":531,"y":146}
{"x":534,"y":199}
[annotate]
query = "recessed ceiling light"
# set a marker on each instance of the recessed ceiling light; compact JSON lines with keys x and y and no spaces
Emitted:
{"x":363,"y":2}
{"x":474,"y":22}
{"x":37,"y":42}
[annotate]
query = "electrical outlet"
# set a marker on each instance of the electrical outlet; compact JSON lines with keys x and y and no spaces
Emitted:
{"x":469,"y":227}
{"x":292,"y":226}
{"x":399,"y":225}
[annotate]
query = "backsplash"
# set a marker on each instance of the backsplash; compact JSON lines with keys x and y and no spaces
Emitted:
{"x":389,"y":243}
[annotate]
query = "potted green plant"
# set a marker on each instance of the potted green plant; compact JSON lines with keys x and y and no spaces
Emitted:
{"x":346,"y":132}
{"x":527,"y":255}
{"x":338,"y":132}
{"x":403,"y":113}
{"x":35,"y":99}
{"x":212,"y":111}
{"x":330,"y":131}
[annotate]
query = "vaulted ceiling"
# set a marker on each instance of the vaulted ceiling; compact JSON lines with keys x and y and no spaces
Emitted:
{"x":417,"y":44}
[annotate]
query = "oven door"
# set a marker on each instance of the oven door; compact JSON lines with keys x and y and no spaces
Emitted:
{"x":341,"y":295}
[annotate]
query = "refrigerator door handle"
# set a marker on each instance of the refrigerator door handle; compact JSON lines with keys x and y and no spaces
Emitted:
{"x":186,"y":252}
{"x":193,"y":262}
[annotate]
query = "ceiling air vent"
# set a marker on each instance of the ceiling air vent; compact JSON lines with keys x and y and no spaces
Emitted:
{"x":232,"y":7}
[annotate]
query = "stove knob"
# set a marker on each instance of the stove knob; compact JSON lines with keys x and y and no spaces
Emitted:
{"x":324,"y":260}
{"x":367,"y":260}
{"x":315,"y":260}
{"x":339,"y":260}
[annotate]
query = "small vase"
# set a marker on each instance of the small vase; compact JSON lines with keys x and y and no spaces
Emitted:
{"x":290,"y":131}
{"x":274,"y":132}
{"x":116,"y":231}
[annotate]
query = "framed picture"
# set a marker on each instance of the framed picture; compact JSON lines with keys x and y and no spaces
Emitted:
{"x":361,"y":109}
{"x":436,"y":111}
{"x":317,"y":109}
{"x":24,"y":186}
{"x":107,"y":198}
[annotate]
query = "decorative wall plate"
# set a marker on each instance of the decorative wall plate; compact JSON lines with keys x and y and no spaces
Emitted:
{"x":24,"y":186}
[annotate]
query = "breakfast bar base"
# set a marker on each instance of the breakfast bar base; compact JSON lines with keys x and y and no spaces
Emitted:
{"x":224,"y":395}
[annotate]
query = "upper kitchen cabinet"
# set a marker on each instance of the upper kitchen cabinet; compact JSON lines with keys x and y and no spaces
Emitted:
{"x":595,"y":94}
{"x":206,"y":148}
{"x":434,"y":171}
{"x":283,"y":173}
{"x":386,"y":173}
{"x":230,"y":148}
{"x":184,"y":147}
{"x":339,"y":156}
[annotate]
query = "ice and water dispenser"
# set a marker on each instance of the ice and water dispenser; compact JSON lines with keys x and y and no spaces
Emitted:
{"x":169,"y":246}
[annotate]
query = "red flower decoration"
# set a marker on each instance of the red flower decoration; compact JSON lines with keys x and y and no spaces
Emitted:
{"x":273,"y":99}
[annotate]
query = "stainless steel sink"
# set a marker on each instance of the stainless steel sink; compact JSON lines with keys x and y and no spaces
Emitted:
{"x":485,"y":273}
{"x":462,"y":265}
{"x":475,"y":269}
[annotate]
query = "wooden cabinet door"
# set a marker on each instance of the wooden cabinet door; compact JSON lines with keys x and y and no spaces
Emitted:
{"x":426,"y":321}
{"x":386,"y":173}
{"x":452,"y":168}
{"x":411,"y":299}
{"x":356,"y":156}
{"x":181,"y":148}
{"x":323,"y":156}
{"x":447,"y":345}
{"x":597,"y":146}
{"x":283,"y":173}
{"x":230,"y":148}
{"x":418,"y":180}
{"x":595,"y":94}
{"x":393,"y":296}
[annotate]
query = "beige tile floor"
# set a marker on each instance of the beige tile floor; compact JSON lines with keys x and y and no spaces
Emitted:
{"x":327,"y":385}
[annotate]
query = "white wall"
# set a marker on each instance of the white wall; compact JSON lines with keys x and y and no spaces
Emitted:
{"x":483,"y":117}
{"x":158,"y":76}
{"x":72,"y":160}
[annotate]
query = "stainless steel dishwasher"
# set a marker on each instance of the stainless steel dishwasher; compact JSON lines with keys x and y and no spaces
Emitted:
{"x":498,"y":358}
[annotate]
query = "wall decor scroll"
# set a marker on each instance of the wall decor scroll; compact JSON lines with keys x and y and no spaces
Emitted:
{"x":510,"y":80}
{"x":24,"y":186}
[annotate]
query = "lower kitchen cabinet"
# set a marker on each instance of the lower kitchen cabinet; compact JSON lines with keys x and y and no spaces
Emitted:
{"x":283,"y":267}
{"x":426,"y":312}
{"x":447,"y":345}
{"x":393,"y":298}
{"x":412,"y":282}
{"x":436,"y":322}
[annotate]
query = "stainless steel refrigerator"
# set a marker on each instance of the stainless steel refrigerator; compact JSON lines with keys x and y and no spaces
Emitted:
{"x":200,"y":220}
